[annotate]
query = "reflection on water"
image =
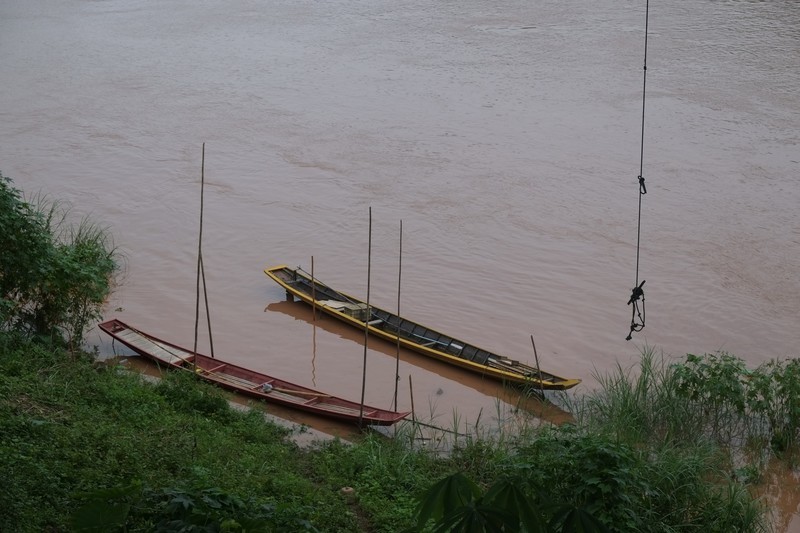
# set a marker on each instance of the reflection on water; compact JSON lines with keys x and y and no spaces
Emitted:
{"x":781,"y":491}
{"x":514,"y":397}
{"x":314,"y":356}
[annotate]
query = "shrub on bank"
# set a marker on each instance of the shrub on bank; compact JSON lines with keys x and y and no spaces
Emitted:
{"x":54,"y":276}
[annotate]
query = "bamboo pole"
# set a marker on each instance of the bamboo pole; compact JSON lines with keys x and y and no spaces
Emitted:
{"x":314,"y":326}
{"x":538,"y":369}
{"x":199,"y":252}
{"x":413,"y":411}
{"x":366,"y":322}
{"x":208,"y":309}
{"x":201,"y":269}
{"x":397,"y":354}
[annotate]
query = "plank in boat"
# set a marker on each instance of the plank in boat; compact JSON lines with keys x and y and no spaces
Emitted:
{"x":412,"y":335}
{"x":249,"y":382}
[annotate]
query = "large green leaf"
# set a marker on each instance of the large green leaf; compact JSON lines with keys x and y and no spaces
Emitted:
{"x":445,"y":497}
{"x":509,"y":496}
{"x":573,"y":519}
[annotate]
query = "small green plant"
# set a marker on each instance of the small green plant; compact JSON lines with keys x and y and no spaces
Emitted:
{"x":741,"y":408}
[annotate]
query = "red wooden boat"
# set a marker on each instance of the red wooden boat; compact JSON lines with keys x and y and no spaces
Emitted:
{"x":249,"y":382}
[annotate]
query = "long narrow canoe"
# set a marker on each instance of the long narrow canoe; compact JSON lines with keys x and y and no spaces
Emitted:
{"x":391,"y":327}
{"x":249,"y":382}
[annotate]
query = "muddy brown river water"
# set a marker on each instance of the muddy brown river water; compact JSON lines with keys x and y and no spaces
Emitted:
{"x":506,"y":137}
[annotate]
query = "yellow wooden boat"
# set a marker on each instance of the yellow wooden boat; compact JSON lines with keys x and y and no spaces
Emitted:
{"x":391,"y":327}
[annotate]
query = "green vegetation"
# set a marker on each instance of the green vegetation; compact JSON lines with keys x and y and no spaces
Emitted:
{"x":54,"y":276}
{"x":78,"y":436}
{"x":90,"y":446}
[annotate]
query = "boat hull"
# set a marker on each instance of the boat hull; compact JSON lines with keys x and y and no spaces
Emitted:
{"x":411,"y":335}
{"x":248,"y":382}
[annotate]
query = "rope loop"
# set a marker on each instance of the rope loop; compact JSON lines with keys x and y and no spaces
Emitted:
{"x":642,"y":188}
{"x":637,"y":294}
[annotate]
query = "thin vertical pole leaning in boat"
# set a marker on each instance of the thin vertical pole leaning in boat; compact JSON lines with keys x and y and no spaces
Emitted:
{"x":200,"y":267}
{"x":208,"y":310}
{"x":397,"y":353}
{"x":413,"y":412}
{"x":205,"y":286}
{"x":199,"y":252}
{"x":366,"y":322}
{"x":314,"y":326}
{"x":538,"y":369}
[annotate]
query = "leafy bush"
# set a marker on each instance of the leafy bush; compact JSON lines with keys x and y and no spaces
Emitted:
{"x":717,"y":386}
{"x":744,"y":408}
{"x":773,"y":396}
{"x":54,"y":277}
{"x":26,"y":245}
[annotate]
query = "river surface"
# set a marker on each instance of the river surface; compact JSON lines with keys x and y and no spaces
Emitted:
{"x":505,"y":136}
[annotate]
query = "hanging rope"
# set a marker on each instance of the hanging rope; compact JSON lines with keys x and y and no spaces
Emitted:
{"x":637,"y":293}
